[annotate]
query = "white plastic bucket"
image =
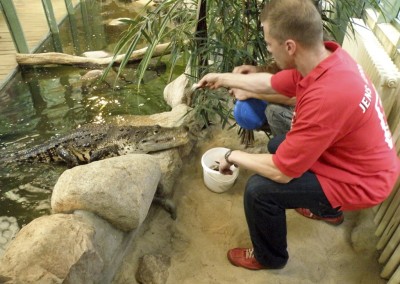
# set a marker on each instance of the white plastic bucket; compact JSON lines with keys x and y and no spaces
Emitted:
{"x":213,"y":179}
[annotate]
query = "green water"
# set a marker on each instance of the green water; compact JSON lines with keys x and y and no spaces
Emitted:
{"x":44,"y":102}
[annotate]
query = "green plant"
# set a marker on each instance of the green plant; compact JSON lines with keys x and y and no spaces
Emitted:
{"x":217,"y":36}
{"x":336,"y":15}
{"x":169,"y":22}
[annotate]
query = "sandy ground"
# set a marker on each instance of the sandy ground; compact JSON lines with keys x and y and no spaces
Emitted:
{"x":208,"y":224}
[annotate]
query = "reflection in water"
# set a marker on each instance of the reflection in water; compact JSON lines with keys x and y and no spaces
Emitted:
{"x":40,"y":105}
{"x":43,"y":102}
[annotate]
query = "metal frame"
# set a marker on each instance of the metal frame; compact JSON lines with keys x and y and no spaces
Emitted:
{"x":52,"y":22}
{"x":14,"y":25}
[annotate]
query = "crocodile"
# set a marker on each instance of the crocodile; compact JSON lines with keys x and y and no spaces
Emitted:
{"x":93,"y":142}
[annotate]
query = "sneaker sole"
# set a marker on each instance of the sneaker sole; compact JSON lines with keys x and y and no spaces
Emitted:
{"x":315,"y":217}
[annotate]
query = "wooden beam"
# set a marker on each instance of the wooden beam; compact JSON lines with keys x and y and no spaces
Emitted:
{"x":14,"y":25}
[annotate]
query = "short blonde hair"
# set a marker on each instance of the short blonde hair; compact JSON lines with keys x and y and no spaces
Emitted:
{"x":293,"y":19}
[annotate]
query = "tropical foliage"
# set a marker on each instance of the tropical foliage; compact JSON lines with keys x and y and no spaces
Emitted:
{"x":217,"y":36}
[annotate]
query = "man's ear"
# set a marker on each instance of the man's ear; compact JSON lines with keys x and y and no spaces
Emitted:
{"x":290,"y":46}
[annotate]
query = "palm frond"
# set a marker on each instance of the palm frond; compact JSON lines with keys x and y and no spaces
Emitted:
{"x":233,"y":36}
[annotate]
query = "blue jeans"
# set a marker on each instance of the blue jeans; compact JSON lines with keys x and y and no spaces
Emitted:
{"x":265,"y":202}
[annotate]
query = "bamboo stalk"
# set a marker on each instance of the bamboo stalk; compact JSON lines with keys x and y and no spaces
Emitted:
{"x":395,"y":277}
{"x":393,"y":243}
{"x":388,"y":212}
{"x":392,"y":264}
{"x":386,"y":239}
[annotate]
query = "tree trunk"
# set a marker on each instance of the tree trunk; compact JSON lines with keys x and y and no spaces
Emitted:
{"x":66,"y":59}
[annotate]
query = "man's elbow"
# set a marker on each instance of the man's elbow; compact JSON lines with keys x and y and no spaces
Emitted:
{"x":276,"y":174}
{"x":282,"y":178}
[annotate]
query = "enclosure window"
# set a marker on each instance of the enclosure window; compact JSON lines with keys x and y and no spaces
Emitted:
{"x":396,"y":21}
{"x":391,"y":9}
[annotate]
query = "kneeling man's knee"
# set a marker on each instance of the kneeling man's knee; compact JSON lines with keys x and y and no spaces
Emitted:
{"x":255,"y":186}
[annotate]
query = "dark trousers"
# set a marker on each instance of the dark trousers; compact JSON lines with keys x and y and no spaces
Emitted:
{"x":265,"y":202}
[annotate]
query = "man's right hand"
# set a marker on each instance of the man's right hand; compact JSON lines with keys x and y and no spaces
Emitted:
{"x":211,"y":81}
{"x":258,"y":83}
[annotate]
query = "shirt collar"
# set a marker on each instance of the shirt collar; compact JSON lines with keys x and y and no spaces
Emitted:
{"x":324,"y":65}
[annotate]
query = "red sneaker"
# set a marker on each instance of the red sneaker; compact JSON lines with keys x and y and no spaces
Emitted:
{"x":332,"y":221}
{"x":244,"y":257}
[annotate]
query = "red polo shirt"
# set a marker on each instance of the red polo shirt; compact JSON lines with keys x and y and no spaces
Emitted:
{"x":339,"y":132}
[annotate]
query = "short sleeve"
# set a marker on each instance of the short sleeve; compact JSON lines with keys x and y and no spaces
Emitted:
{"x":285,"y":82}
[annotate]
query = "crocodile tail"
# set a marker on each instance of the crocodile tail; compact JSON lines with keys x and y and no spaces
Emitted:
{"x":35,"y":154}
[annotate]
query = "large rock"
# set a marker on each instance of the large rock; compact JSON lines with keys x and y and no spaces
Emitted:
{"x":178,"y":92}
{"x":111,"y":244}
{"x":171,"y":165}
{"x":8,"y":229}
{"x":52,"y":249}
{"x":179,"y":116}
{"x":153,"y":269}
{"x":120,"y":189}
{"x":107,"y":239}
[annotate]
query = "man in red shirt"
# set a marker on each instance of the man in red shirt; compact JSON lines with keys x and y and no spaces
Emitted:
{"x":339,"y":153}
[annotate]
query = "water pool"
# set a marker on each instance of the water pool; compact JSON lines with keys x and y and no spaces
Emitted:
{"x":43,"y":102}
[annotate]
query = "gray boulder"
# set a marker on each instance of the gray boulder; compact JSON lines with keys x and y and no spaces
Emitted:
{"x":153,"y":269}
{"x":171,"y":165}
{"x":8,"y":229}
{"x":176,"y":92}
{"x":119,"y":190}
{"x":180,"y":116}
{"x":52,"y":249}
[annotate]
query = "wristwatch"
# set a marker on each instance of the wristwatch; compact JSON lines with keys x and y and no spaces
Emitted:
{"x":227,"y":154}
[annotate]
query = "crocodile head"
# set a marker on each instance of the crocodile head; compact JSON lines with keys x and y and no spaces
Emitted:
{"x":156,"y":138}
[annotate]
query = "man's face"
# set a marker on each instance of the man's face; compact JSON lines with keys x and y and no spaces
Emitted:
{"x":277,"y":49}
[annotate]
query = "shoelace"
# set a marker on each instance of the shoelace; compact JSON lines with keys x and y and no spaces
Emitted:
{"x":250,"y":253}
